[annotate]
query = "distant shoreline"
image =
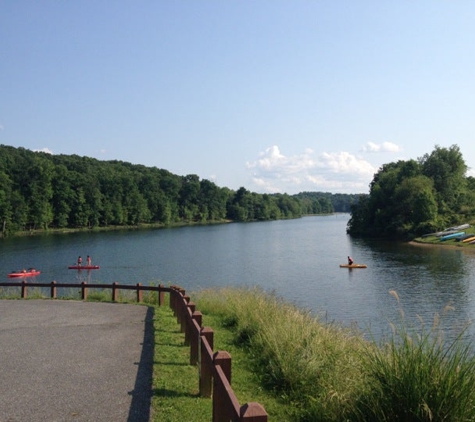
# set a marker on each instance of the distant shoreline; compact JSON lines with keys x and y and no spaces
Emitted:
{"x":143,"y":226}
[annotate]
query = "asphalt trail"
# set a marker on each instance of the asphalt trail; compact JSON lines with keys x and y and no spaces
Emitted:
{"x":75,"y":361}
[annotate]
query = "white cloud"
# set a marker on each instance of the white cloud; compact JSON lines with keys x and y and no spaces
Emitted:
{"x":342,"y":172}
{"x":384,"y":147}
{"x":47,"y":150}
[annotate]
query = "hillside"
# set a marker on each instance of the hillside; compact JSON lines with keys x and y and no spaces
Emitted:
{"x":40,"y":191}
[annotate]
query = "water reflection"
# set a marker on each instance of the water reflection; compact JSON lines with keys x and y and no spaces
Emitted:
{"x":431,"y":282}
{"x":298,"y":259}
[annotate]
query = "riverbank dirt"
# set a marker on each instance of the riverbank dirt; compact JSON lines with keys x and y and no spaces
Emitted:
{"x":462,"y":247}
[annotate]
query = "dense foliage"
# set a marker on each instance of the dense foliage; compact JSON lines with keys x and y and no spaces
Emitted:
{"x":46,"y":191}
{"x":410,"y":198}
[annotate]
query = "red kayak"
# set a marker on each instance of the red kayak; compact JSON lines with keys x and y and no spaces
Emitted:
{"x":24,"y":273}
{"x":84,"y":267}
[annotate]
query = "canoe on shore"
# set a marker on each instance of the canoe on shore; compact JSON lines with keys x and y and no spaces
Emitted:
{"x":84,"y":267}
{"x":451,"y":236}
{"x":353,"y":266}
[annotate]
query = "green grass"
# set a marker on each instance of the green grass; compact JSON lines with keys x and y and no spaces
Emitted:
{"x":302,"y":369}
{"x":434,"y":240}
{"x":312,"y":368}
{"x":416,"y":378}
{"x":326,"y":373}
{"x":175,"y":383}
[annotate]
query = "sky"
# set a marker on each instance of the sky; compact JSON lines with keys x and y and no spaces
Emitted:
{"x":276,"y":96}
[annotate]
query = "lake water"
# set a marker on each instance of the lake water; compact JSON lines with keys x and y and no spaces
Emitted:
{"x":297,"y":259}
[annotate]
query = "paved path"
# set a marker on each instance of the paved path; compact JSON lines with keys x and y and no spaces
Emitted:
{"x":75,"y":361}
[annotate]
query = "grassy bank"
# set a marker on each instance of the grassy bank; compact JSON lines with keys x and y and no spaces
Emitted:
{"x":326,"y":373}
{"x":435,"y":240}
{"x":176,"y":383}
{"x":98,"y":229}
{"x":302,"y":369}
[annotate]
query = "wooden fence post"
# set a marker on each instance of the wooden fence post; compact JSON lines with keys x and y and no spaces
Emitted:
{"x":180,"y":309}
{"x":206,"y":370}
{"x":179,"y":302}
{"x":83,"y":290}
{"x":53,"y":290}
{"x":208,"y":333}
{"x":187,"y":320}
{"x":195,"y":330}
{"x":139,"y":293}
{"x":24,"y":292}
{"x":115,"y":292}
{"x":173,"y":298}
{"x":223,"y":360}
{"x":252,"y":412}
{"x":161,"y":295}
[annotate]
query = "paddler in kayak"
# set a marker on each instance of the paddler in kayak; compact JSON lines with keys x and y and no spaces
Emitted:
{"x":350,"y":260}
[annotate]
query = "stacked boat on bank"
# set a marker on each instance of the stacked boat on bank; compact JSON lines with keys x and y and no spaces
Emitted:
{"x":456,"y":233}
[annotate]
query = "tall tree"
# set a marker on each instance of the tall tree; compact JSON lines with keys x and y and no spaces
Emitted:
{"x":5,"y":202}
{"x":447,"y":168}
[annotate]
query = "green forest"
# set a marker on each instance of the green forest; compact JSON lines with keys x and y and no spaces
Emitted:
{"x":41,"y":191}
{"x":410,"y":198}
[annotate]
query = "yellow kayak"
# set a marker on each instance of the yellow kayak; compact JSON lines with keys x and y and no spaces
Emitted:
{"x":353,"y":266}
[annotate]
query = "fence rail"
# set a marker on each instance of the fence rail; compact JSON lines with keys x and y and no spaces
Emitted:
{"x":214,"y":366}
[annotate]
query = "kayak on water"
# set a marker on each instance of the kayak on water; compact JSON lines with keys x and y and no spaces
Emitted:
{"x":353,"y":266}
{"x":84,"y":267}
{"x":24,"y":273}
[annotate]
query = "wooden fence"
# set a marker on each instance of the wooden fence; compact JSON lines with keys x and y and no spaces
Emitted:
{"x":214,"y":367}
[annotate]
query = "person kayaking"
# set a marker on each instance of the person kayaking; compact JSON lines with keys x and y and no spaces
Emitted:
{"x":79,"y":261}
{"x":350,"y":260}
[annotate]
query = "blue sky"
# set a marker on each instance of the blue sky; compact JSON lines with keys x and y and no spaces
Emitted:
{"x":275,"y":95}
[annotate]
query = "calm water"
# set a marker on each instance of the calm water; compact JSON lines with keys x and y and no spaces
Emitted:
{"x":298,"y":259}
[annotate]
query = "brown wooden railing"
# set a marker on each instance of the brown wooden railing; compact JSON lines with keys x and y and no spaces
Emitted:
{"x":214,"y":367}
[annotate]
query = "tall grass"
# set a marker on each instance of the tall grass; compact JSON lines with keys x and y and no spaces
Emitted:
{"x":418,"y":379}
{"x":315,"y":367}
{"x":417,"y":376}
{"x":329,"y":373}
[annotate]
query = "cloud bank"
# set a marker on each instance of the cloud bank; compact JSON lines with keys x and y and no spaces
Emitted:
{"x":384,"y":147}
{"x":336,"y":172}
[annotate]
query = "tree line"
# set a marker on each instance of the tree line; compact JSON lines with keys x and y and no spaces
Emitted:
{"x":410,"y":198}
{"x":48,"y":191}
